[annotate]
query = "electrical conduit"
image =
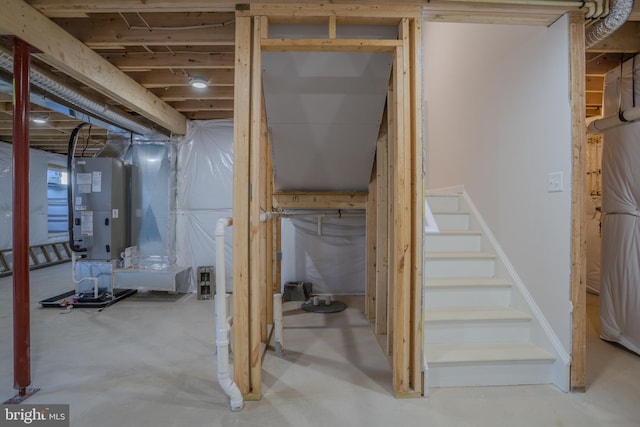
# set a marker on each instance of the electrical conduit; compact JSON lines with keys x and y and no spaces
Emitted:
{"x":222,"y":324}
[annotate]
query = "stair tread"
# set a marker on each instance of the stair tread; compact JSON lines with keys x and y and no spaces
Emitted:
{"x":486,"y":352}
{"x":466,"y":314}
{"x":471,"y":282}
{"x":460,"y":255}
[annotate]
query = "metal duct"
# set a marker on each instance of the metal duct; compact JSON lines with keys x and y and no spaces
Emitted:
{"x":48,"y":83}
{"x":618,"y":15}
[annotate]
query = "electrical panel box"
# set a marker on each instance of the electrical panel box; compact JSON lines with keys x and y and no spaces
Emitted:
{"x":101,"y":222}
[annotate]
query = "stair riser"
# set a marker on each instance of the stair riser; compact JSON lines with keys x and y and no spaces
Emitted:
{"x":440,"y":268}
{"x":466,"y":297}
{"x":443,"y":203}
{"x":452,"y":243}
{"x":494,"y":374}
{"x":470,"y":332}
{"x":448,"y":221}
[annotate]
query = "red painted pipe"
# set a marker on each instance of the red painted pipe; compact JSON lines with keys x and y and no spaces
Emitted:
{"x":21,"y":320}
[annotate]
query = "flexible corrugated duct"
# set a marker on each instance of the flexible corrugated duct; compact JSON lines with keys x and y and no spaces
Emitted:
{"x":43,"y":80}
{"x":618,"y":14}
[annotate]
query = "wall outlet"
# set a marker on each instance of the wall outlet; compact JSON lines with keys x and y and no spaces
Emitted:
{"x":554,"y":182}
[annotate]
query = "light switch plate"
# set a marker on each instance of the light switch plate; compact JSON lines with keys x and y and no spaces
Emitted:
{"x":554,"y":182}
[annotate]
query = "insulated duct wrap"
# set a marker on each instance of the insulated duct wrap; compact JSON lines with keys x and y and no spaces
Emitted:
{"x":620,"y":286}
{"x":618,"y":15}
{"x":49,"y":84}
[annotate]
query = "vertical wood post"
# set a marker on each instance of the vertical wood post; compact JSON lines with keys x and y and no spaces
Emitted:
{"x":257,"y":268}
{"x":578,"y":193}
{"x":370,"y":292}
{"x":241,"y":194}
{"x":417,"y":205}
{"x":382,"y":231}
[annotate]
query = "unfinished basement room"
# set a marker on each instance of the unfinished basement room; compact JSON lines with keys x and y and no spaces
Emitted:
{"x":344,"y":213}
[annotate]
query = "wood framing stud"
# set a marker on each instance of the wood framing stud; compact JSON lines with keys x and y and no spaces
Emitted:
{"x":578,"y":193}
{"x":316,"y":200}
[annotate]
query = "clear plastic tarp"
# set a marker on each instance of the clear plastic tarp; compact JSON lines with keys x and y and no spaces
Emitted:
{"x":205,"y":191}
{"x":333,"y":261}
{"x":331,"y":256}
{"x":39,"y":162}
{"x":620,"y":285}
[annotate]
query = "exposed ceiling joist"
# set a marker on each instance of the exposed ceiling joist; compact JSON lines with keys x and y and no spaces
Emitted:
{"x":64,"y":52}
{"x":142,"y":61}
{"x":117,"y":30}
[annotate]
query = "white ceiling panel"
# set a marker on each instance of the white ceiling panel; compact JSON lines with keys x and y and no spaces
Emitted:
{"x":323,"y":112}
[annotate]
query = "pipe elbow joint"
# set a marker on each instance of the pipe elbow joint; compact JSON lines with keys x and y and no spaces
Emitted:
{"x":221,"y":225}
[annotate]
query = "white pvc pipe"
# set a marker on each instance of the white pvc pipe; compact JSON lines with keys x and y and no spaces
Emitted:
{"x":277,"y":324}
{"x":222,"y":324}
{"x":600,"y":125}
{"x":265,"y":216}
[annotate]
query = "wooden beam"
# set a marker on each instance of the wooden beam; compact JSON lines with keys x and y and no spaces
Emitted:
{"x":112,"y":31}
{"x":493,"y":13}
{"x":64,"y":52}
{"x":382,"y":228}
{"x":332,"y":27}
{"x":578,"y":193}
{"x":257,"y":275}
{"x":317,"y":200}
{"x":208,"y":115}
{"x":371,"y":238}
{"x":215,"y":105}
{"x":184,"y":93}
{"x":402,"y":220}
{"x":80,"y":7}
{"x":241,"y":191}
{"x":417,"y":205}
{"x":392,"y":127}
{"x":144,"y":61}
{"x":267,"y":7}
{"x":165,"y":78}
{"x":328,"y":45}
{"x":594,"y":83}
{"x":340,"y":8}
{"x":270,"y":230}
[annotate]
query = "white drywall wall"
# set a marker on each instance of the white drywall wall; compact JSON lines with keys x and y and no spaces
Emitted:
{"x":498,"y":121}
{"x":38,"y":163}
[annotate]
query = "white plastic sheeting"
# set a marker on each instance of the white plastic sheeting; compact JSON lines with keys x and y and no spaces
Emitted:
{"x":38,"y":164}
{"x":204,"y":194}
{"x":620,"y":286}
{"x":334,"y":262}
{"x":594,"y":243}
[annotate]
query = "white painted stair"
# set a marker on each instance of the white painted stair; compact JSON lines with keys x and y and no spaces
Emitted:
{"x":473,"y":334}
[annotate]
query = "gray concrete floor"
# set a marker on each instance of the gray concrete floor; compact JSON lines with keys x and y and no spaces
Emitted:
{"x":149,"y":361}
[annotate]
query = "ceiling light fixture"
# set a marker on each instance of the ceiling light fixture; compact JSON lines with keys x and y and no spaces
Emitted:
{"x":40,"y":119}
{"x":198,"y":82}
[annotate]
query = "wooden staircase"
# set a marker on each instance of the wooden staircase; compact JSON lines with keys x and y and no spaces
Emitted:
{"x":473,"y":334}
